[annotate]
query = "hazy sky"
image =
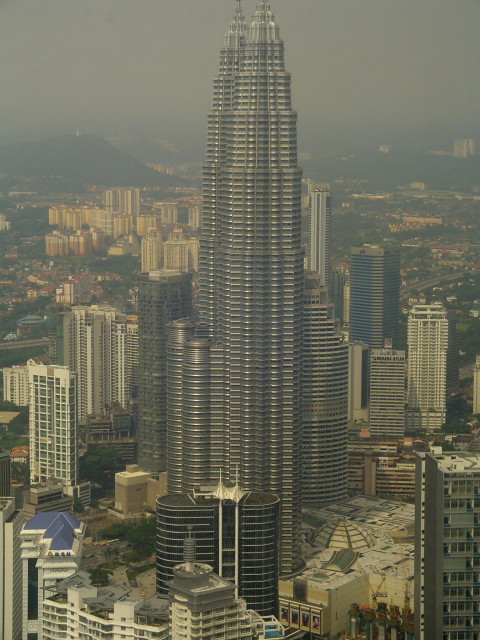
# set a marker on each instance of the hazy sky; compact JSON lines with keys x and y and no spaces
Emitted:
{"x":362,"y":69}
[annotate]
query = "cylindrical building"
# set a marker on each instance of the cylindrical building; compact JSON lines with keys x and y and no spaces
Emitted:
{"x":163,"y":296}
{"x":325,"y":401}
{"x":235,"y":531}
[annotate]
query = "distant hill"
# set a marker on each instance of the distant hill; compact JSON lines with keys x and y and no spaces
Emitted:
{"x":67,"y":163}
{"x":390,"y":170}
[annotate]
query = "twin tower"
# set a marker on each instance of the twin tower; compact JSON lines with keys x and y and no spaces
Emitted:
{"x":233,"y":379}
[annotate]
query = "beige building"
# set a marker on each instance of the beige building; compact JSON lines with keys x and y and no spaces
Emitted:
{"x":359,"y":551}
{"x":15,"y":384}
{"x":195,"y":217}
{"x":122,"y":225}
{"x":181,"y":254}
{"x":57,"y":243}
{"x":151,"y":251}
{"x":123,"y":200}
{"x":168,"y":212}
{"x":103,"y":220}
{"x":145,"y":223}
{"x":135,"y":490}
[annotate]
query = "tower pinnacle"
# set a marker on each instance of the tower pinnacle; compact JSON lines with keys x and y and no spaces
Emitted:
{"x":236,"y":31}
{"x":263,"y":27}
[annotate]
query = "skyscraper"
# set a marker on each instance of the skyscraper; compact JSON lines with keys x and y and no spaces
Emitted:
{"x":325,"y":400}
{"x":251,"y":264}
{"x":53,"y":424}
{"x":387,"y":393}
{"x":427,"y":366}
{"x":320,"y":233}
{"x":96,"y":346}
{"x":374,"y":295}
{"x":163,"y":296}
{"x":447,"y":546}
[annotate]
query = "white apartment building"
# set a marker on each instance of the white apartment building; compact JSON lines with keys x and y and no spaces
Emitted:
{"x":51,"y":550}
{"x":203,"y":605}
{"x":74,"y":609}
{"x":99,"y":344}
{"x":10,"y":571}
{"x":427,"y":340}
{"x":53,"y":424}
{"x":15,"y":384}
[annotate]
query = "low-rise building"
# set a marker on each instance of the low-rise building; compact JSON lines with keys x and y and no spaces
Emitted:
{"x":74,"y":608}
{"x":136,"y":490}
{"x":51,"y":550}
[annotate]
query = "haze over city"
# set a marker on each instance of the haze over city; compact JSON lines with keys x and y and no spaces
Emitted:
{"x":364,"y":72}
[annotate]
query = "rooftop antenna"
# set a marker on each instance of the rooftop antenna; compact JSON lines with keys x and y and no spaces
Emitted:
{"x":189,"y":549}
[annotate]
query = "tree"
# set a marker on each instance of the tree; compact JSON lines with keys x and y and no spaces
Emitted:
{"x":78,"y":506}
{"x":99,"y":577}
{"x":100,"y":466}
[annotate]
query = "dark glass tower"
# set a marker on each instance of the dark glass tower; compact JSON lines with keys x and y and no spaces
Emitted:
{"x":374,"y":295}
{"x":163,"y":296}
{"x":235,"y":531}
{"x":251,"y":266}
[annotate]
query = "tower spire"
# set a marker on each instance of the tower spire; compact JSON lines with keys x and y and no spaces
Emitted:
{"x":236,"y":31}
{"x":263,"y":27}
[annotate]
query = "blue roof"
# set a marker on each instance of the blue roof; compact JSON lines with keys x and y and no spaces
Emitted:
{"x":59,"y":526}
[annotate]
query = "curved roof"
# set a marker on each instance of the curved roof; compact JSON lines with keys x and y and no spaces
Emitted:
{"x":344,"y":534}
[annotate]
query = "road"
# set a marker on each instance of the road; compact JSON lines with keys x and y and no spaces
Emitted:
{"x":422,"y":285}
{"x":24,"y":344}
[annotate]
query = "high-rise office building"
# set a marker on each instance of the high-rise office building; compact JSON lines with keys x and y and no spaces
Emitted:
{"x":325,"y":400}
{"x":235,"y":531}
{"x":387,"y":393}
{"x":97,"y":346}
{"x":195,"y":416}
{"x":53,"y":424}
{"x":374,"y":295}
{"x":320,"y":234}
{"x":447,"y":546}
{"x":122,"y":200}
{"x":358,"y":361}
{"x":163,"y":296}
{"x":251,"y":264}
{"x":427,"y":339}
